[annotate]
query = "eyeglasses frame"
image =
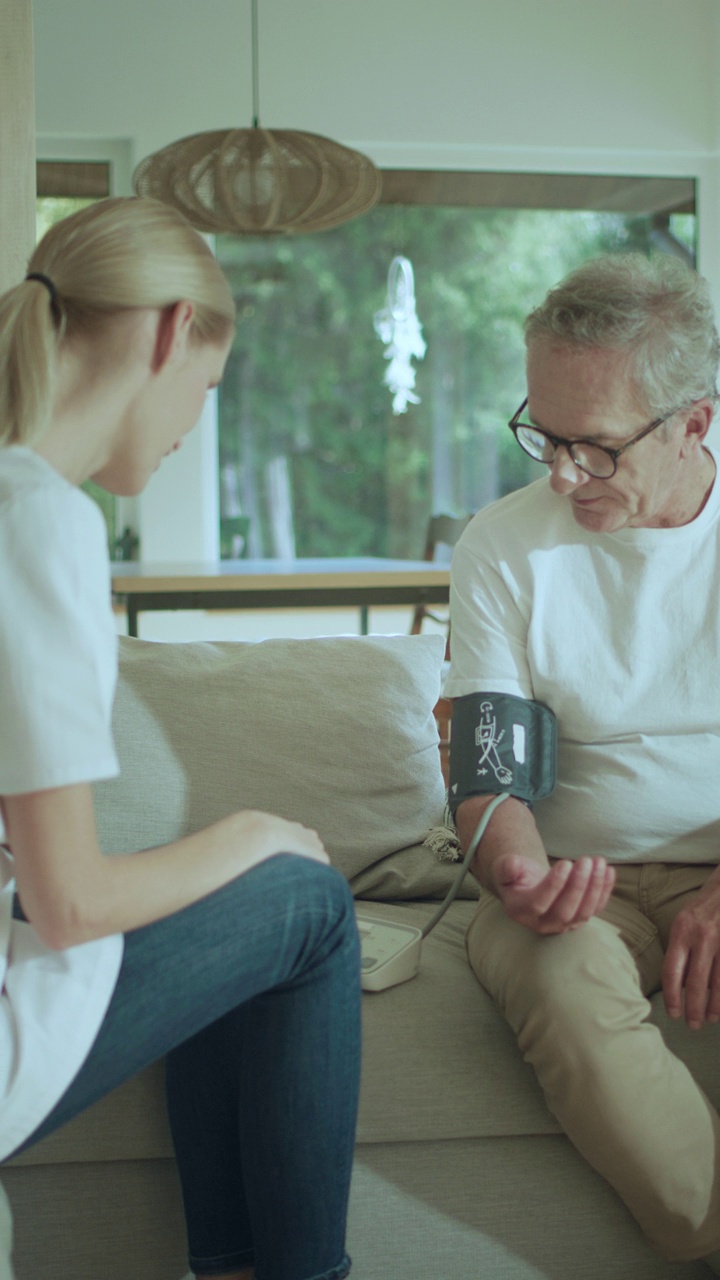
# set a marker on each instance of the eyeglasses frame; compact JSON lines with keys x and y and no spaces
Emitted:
{"x":558,"y":441}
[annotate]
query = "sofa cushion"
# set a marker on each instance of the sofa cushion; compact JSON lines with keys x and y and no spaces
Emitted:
{"x":336,"y":733}
{"x":439,"y":1062}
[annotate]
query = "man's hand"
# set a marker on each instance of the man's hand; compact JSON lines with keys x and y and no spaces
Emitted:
{"x":692,"y":961}
{"x":553,"y":901}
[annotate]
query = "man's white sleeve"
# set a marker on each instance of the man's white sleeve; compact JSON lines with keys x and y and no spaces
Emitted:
{"x":488,"y":640}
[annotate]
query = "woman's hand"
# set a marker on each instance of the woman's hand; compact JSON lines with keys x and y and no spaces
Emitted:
{"x":71,"y":892}
{"x":262,"y":835}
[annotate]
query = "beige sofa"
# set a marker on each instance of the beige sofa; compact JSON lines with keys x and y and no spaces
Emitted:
{"x":461,"y":1172}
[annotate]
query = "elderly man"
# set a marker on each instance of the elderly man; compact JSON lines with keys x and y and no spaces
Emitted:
{"x":593,"y":597}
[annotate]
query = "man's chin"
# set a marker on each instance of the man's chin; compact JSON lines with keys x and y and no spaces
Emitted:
{"x":597,"y":516}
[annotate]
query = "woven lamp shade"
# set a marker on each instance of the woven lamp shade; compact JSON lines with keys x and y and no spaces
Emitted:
{"x":260,"y":181}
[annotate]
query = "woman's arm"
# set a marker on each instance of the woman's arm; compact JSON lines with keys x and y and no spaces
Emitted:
{"x":71,"y":892}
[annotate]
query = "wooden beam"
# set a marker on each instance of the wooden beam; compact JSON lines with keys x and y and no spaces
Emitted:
{"x":616,"y":194}
{"x":84,"y":178}
{"x":17,"y":140}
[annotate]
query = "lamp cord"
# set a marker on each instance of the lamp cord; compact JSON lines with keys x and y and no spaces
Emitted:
{"x":255,"y":63}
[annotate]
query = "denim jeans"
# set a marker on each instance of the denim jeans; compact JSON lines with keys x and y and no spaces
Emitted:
{"x":253,"y":994}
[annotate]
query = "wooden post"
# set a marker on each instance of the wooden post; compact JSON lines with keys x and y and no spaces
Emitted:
{"x":17,"y":140}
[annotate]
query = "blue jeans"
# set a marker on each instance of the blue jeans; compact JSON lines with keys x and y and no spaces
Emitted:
{"x":254,"y":995}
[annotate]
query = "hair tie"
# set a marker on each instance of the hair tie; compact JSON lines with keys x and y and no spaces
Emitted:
{"x":51,"y":288}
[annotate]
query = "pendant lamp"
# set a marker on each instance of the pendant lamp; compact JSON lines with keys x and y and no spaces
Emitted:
{"x":260,"y":181}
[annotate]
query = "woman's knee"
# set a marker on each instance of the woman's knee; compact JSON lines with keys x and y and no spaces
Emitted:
{"x":308,"y":896}
{"x":316,"y":883}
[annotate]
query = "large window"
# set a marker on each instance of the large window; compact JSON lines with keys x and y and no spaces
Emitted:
{"x":313,"y":461}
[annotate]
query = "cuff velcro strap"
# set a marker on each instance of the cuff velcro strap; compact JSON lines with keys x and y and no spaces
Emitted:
{"x":500,"y":743}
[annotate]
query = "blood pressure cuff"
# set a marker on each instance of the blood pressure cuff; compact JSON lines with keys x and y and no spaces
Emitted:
{"x":501,"y":743}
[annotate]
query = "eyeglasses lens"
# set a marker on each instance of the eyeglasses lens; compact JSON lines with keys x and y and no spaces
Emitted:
{"x":590,"y":458}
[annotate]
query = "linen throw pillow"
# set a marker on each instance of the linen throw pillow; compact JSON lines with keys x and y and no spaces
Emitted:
{"x":336,"y":733}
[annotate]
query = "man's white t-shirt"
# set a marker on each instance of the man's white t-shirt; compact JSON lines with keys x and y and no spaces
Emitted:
{"x":58,"y":668}
{"x":619,"y":634}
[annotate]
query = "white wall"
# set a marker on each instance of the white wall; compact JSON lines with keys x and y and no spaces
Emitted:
{"x":602,"y":86}
{"x":528,"y":73}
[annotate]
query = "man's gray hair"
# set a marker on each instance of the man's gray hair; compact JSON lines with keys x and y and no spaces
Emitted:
{"x":657,"y":310}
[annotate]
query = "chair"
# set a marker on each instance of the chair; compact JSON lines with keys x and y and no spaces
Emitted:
{"x":442,"y":531}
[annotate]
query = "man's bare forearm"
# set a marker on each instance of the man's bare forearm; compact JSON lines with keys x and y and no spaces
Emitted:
{"x":512,"y":864}
{"x":512,"y":829}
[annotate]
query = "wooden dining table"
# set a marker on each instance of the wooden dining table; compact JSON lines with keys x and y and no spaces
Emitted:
{"x":278,"y":584}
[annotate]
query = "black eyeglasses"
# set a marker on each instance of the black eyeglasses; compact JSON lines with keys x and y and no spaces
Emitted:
{"x":594,"y":459}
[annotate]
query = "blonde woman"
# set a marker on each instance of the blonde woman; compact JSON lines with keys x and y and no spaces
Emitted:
{"x":233,"y":951}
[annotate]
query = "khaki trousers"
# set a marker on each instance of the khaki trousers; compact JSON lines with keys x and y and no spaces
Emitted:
{"x":578,"y":1005}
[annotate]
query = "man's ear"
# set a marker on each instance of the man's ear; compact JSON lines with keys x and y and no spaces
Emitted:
{"x":697,"y":424}
{"x":172,"y":333}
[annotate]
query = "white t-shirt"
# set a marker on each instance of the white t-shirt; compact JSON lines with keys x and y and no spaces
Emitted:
{"x":58,"y":667}
{"x":619,"y":634}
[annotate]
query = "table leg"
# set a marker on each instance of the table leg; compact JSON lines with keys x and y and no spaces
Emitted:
{"x":132,"y":617}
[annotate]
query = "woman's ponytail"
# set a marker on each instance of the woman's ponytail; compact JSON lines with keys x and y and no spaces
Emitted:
{"x":29,"y":334}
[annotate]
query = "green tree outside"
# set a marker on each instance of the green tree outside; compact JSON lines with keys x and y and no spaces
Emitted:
{"x":304,"y":392}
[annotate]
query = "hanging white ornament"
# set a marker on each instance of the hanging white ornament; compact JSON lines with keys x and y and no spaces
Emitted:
{"x":398,"y":327}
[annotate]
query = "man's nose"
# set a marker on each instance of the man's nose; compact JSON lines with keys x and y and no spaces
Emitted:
{"x":565,"y":475}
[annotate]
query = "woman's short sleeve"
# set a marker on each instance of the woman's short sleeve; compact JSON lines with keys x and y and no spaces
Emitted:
{"x":58,"y":644}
